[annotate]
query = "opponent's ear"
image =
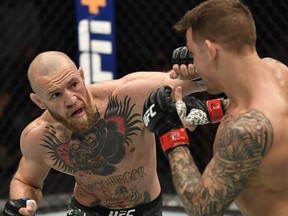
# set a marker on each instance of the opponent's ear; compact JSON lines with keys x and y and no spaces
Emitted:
{"x":211,"y":48}
{"x":37,"y":101}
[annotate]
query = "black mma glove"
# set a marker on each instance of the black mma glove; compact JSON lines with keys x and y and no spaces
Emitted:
{"x":181,"y":55}
{"x":160,"y":116}
{"x":12,"y":206}
{"x":200,"y":112}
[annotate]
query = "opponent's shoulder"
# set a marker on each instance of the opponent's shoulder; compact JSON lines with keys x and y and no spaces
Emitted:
{"x":275,"y":64}
{"x":249,"y":131}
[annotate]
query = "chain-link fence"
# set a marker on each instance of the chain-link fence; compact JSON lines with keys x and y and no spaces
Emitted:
{"x":145,"y":41}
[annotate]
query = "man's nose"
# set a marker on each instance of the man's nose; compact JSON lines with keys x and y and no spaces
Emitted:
{"x":70,"y":99}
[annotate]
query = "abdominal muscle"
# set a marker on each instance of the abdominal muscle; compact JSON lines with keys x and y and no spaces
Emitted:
{"x":122,"y":190}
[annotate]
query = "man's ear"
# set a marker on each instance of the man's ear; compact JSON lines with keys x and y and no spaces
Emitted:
{"x":37,"y":101}
{"x":81,"y":73}
{"x":211,"y":48}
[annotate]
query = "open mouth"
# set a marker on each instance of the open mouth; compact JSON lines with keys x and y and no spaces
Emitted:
{"x":78,"y":112}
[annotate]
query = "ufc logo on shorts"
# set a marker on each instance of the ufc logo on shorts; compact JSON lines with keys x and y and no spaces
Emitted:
{"x":122,"y":213}
{"x":149,"y":114}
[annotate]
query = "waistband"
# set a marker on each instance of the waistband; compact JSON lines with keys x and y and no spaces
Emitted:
{"x":135,"y":211}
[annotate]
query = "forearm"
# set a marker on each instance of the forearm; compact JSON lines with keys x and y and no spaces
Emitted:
{"x":20,"y":189}
{"x":186,"y":177}
{"x":190,"y":87}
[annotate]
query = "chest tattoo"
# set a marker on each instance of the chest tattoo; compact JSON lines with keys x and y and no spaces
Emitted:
{"x":99,"y":149}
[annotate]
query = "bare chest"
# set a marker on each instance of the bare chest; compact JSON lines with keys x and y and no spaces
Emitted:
{"x":116,"y":132}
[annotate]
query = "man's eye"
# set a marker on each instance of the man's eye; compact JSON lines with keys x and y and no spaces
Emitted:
{"x":74,"y":84}
{"x":55,"y":95}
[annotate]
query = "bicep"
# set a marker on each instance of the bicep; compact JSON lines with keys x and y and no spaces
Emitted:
{"x":240,"y":147}
{"x":31,"y":172}
{"x":32,"y":168}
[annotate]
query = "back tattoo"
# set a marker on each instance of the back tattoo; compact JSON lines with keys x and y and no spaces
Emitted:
{"x":99,"y":149}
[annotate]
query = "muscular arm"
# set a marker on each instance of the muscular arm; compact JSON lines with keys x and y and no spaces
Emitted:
{"x":31,"y":172}
{"x":240,"y":145}
{"x":28,"y":181}
{"x":148,"y":81}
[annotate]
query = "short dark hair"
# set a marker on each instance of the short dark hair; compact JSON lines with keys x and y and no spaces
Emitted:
{"x":227,"y":22}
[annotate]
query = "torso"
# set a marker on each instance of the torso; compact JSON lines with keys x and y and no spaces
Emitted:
{"x":114,"y":163}
{"x":266,"y":191}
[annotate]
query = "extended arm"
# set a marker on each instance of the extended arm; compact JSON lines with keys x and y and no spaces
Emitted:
{"x":143,"y":83}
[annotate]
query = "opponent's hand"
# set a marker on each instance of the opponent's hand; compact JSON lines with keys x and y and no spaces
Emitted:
{"x":200,"y":112}
{"x":23,"y":206}
{"x":160,"y":117}
{"x":182,"y":64}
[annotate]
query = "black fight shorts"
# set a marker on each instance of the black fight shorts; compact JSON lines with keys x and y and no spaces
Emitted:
{"x":153,"y":208}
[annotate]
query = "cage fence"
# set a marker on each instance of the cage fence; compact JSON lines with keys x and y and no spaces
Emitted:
{"x":145,"y":40}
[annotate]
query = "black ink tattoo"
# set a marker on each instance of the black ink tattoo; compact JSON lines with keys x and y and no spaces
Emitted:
{"x":240,"y":145}
{"x":58,"y":150}
{"x":99,"y":149}
{"x":123,"y":178}
{"x":123,"y":197}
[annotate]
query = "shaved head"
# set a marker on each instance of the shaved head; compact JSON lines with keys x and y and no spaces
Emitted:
{"x":59,"y":87}
{"x":47,"y":64}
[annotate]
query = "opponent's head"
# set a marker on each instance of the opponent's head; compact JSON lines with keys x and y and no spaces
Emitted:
{"x":215,"y":26}
{"x":59,"y":87}
{"x":226,"y":22}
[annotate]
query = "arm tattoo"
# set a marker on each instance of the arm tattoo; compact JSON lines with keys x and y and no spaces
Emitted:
{"x":240,"y":145}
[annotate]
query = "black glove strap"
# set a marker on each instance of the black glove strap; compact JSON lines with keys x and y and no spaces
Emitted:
{"x":12,"y":206}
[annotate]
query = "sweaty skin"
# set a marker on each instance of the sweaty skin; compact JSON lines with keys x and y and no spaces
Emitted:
{"x":92,"y":132}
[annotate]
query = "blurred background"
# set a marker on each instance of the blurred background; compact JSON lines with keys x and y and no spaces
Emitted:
{"x":144,"y":40}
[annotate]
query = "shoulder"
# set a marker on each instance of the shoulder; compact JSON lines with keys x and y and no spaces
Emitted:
{"x":248,"y":133}
{"x":33,"y":130}
{"x":33,"y":134}
{"x":275,"y":64}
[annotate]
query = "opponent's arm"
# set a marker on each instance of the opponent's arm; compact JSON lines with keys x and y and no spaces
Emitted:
{"x":26,"y":184}
{"x":239,"y":150}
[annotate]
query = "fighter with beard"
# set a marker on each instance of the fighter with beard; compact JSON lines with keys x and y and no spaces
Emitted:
{"x":94,"y":133}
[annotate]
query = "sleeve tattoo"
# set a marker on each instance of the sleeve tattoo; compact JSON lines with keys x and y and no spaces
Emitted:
{"x":239,"y":147}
